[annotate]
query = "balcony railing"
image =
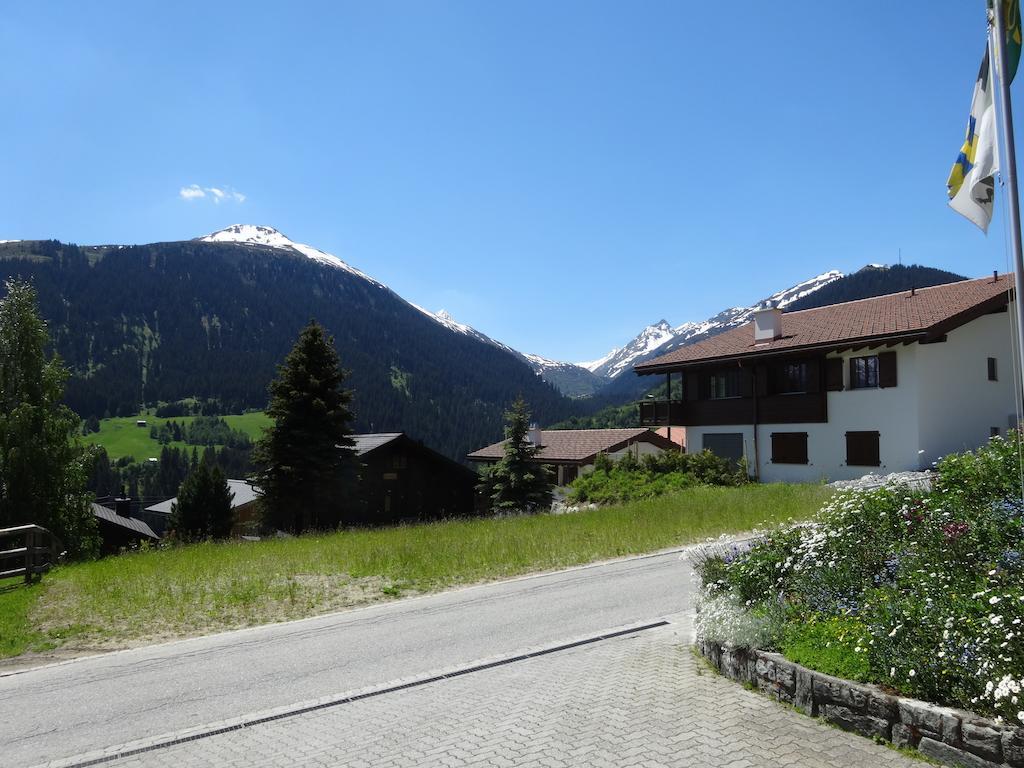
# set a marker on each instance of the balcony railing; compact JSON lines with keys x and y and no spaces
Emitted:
{"x":660,"y":413}
{"x":775,"y":409}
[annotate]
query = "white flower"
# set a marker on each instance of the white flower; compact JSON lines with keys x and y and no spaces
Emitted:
{"x":993,"y":600}
{"x":912,"y":672}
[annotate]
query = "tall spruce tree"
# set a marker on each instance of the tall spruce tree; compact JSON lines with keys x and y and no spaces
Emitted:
{"x":43,"y":468}
{"x":308,"y":467}
{"x":203,"y":508}
{"x":517,"y":483}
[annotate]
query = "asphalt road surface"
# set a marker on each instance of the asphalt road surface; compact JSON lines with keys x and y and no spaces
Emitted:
{"x":87,"y":704}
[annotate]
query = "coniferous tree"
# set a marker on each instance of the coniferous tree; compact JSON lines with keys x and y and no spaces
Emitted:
{"x":43,"y":469}
{"x":203,"y":508}
{"x":308,"y":467}
{"x":517,"y":483}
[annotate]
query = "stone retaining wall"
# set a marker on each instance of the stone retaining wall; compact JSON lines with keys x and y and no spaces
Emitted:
{"x":952,"y":736}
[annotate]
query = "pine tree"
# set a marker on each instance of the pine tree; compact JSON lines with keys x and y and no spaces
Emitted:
{"x":517,"y":483}
{"x":308,"y":467}
{"x":43,"y":468}
{"x":203,"y":508}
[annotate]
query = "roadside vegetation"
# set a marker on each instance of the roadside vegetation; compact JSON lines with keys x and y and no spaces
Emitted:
{"x":919,"y":592}
{"x":630,"y":478}
{"x":150,"y":595}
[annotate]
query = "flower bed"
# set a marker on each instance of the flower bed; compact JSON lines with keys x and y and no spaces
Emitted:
{"x":919,"y":593}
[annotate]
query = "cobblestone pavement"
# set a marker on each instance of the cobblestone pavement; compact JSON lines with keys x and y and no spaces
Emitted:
{"x":642,"y":699}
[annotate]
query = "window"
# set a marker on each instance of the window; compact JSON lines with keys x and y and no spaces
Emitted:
{"x":789,"y":447}
{"x":793,"y":378}
{"x":864,"y":372}
{"x":569,"y":473}
{"x":862,"y":449}
{"x":727,"y":445}
{"x":725,"y":384}
{"x":992,"y":373}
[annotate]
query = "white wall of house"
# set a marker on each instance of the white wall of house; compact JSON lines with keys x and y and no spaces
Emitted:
{"x":957,"y":404}
{"x":891,"y":411}
{"x":943,"y":402}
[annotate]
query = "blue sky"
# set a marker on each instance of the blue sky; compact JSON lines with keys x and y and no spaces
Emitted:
{"x":557,"y":174}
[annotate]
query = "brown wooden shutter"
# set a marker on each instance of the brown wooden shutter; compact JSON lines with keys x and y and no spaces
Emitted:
{"x":813,"y":376}
{"x":789,"y":447}
{"x":761,"y":374}
{"x":886,"y":369}
{"x":690,"y":385}
{"x":862,"y":449}
{"x":834,"y":374}
{"x":746,"y":382}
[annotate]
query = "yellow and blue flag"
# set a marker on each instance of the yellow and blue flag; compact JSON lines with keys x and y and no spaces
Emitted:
{"x":971,"y":183}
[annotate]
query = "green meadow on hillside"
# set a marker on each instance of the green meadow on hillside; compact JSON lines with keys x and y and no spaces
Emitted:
{"x":122,"y":437}
{"x":183,"y":591}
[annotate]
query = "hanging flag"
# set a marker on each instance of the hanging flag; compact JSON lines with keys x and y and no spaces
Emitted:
{"x":971,"y":183}
{"x":1011,"y":25}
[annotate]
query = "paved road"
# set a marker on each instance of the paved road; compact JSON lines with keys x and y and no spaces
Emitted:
{"x":641,"y":699}
{"x":90,"y":704}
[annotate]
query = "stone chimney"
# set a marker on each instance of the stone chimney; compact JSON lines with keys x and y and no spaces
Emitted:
{"x":123,"y":506}
{"x":534,"y":435}
{"x":767,"y":324}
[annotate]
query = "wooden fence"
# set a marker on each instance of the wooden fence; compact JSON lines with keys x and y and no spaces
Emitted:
{"x":37,"y":554}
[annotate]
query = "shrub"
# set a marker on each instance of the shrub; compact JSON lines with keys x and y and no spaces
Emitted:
{"x":653,"y":475}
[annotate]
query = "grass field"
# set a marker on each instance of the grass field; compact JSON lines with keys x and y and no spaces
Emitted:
{"x":154,"y":595}
{"x":121,"y":437}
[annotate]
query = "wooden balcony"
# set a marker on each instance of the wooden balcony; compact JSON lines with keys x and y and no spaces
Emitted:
{"x":801,"y":408}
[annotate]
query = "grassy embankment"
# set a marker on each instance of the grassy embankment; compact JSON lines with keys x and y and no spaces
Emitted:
{"x":153,"y":595}
{"x":121,"y":437}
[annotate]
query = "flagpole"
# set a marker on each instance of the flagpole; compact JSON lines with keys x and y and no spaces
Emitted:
{"x":1008,"y":169}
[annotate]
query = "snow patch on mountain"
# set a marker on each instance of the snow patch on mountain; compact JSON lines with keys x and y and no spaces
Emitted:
{"x":570,"y":378}
{"x":660,"y":338}
{"x":648,"y":340}
{"x":256,"y":234}
{"x":449,"y":322}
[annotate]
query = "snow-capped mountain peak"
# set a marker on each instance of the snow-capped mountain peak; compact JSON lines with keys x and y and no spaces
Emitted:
{"x":616,"y":361}
{"x":661,"y":337}
{"x":258,"y":234}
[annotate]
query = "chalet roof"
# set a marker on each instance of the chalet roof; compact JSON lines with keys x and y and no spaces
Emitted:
{"x":561,"y":446}
{"x":367,"y":443}
{"x":371,"y":442}
{"x":136,"y":526}
{"x":926,"y":314}
{"x":244,"y":493}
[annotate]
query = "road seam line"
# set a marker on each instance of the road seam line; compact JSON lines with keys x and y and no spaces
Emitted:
{"x":117,"y":753}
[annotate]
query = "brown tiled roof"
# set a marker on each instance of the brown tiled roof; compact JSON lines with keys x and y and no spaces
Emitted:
{"x":929,"y":313}
{"x":560,"y":446}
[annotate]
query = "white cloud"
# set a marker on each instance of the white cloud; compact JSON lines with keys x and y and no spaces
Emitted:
{"x":216,"y":194}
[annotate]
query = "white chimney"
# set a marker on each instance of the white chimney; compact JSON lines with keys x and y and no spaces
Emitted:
{"x":767,"y":324}
{"x":534,"y":435}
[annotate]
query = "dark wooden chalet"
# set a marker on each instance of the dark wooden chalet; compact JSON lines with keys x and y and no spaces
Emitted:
{"x":403,"y":480}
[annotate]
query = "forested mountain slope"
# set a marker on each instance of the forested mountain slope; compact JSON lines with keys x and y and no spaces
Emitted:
{"x":166,"y":321}
{"x":875,"y":280}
